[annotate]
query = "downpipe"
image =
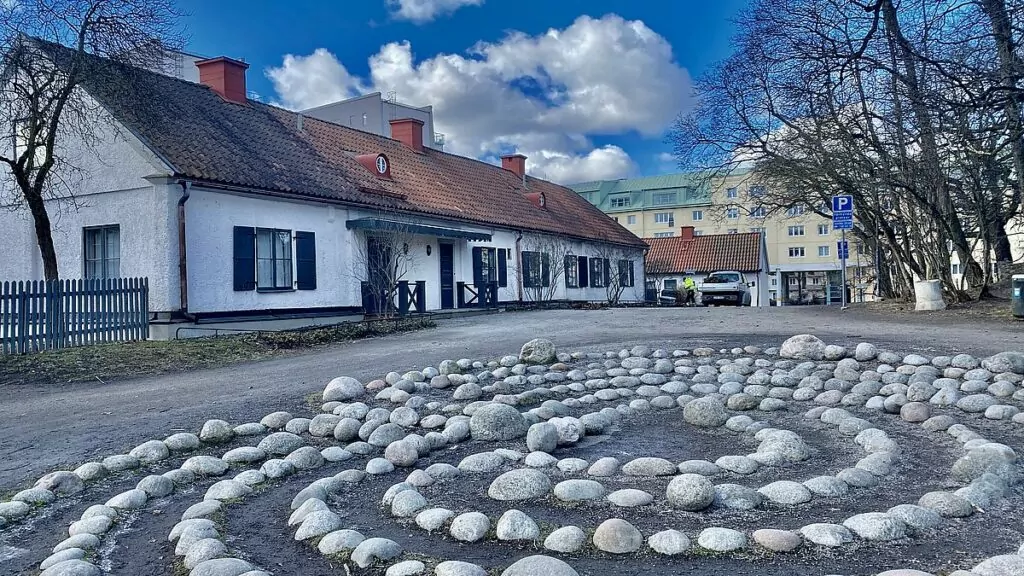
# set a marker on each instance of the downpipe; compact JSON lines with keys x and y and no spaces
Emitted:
{"x":186,"y":189}
{"x":519,"y":265}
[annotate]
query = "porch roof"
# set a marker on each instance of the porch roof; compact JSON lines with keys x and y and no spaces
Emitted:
{"x":385,"y":225}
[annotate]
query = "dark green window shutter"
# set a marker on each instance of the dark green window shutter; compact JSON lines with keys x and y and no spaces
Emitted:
{"x":607,"y":272}
{"x":244,"y":258}
{"x":478,"y":266}
{"x":502,"y":267}
{"x":584,"y":271}
{"x":527,"y":268}
{"x":632,"y":279}
{"x":545,"y":270}
{"x":305,"y":261}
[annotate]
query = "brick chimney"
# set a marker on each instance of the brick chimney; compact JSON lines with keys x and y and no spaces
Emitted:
{"x":686,"y":232}
{"x":515,"y":163}
{"x":225,"y":76}
{"x":408,"y":131}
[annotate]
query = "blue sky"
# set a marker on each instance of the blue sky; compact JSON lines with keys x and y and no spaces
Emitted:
{"x":585,"y":88}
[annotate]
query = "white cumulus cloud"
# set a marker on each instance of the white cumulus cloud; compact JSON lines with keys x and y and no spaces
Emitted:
{"x":420,"y":11}
{"x":545,"y":96}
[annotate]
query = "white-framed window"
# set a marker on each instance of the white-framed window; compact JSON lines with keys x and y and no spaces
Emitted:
{"x":794,"y":281}
{"x":664,"y":234}
{"x":620,"y":202}
{"x":795,"y":230}
{"x":814,"y":280}
{"x":758,"y":212}
{"x":698,"y":232}
{"x":797,"y":210}
{"x":631,"y":219}
{"x":732,"y":231}
{"x":697,"y":215}
{"x":663,"y":218}
{"x":102,"y":251}
{"x":796,"y":252}
{"x":756,"y":191}
{"x":732,"y":213}
{"x":759,"y":229}
{"x":822,"y":229}
{"x":956,"y":268}
{"x":731,"y":193}
{"x":616,"y":218}
{"x":823,"y":251}
{"x":664,"y":198}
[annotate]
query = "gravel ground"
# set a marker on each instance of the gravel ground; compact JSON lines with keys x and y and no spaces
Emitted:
{"x":59,"y":427}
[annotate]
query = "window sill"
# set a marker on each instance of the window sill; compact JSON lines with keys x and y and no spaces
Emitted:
{"x":272,"y":290}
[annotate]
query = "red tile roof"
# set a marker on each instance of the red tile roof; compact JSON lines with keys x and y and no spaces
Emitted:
{"x":261,"y":148}
{"x":708,"y":253}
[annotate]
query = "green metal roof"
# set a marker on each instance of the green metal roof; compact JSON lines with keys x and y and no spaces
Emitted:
{"x":687,"y":188}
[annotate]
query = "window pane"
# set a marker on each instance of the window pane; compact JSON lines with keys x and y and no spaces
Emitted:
{"x":264,"y":247}
{"x":113,"y":268}
{"x":283,"y":272}
{"x":265,"y":273}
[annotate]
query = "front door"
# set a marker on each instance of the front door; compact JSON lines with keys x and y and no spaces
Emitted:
{"x":447,"y":276}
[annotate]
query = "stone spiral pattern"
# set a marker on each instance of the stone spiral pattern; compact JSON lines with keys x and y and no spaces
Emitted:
{"x":407,"y":419}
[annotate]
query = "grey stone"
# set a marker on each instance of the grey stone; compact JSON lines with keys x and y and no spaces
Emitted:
{"x":151,"y":451}
{"x":738,"y":464}
{"x":469,"y":527}
{"x":939,"y":423}
{"x":458,"y":568}
{"x":604,"y":467}
{"x":203,"y":550}
{"x":915,"y":412}
{"x":786,"y":492}
{"x":401,"y":453}
{"x":434,"y":518}
{"x":93,"y":471}
{"x":227,"y":490}
{"x":1005,"y":362}
{"x":128,"y":500}
{"x":705,"y":412}
{"x":803,"y":347}
{"x":538,"y":351}
{"x":407,"y":567}
{"x":976,"y":403}
{"x":96,"y":525}
{"x":946,"y":504}
{"x":280,"y":443}
{"x":539,"y":566}
{"x":567,"y":539}
{"x":216,"y":431}
{"x":777,"y":540}
{"x":721,"y":539}
{"x":737,"y":497}
{"x":993,"y":458}
{"x":83,"y":541}
{"x":516,"y":525}
{"x":483,"y":462}
{"x":249,"y":429}
{"x":522,"y":484}
{"x":276,"y":420}
{"x":876,"y":526}
{"x":1006,"y":565}
{"x":222,"y":567}
{"x":542,"y":437}
{"x":647,"y":466}
{"x":830,"y":535}
{"x":203,"y":509}
{"x":669,"y":542}
{"x":61,"y":482}
{"x":630,"y":497}
{"x":915,"y":517}
{"x":385,"y":434}
{"x":407,"y":504}
{"x":72,"y":567}
{"x":343,"y":389}
{"x":156,"y":486}
{"x":68,"y":554}
{"x":497,"y":422}
{"x":578,"y":490}
{"x":617,"y":536}
{"x":702,"y":467}
{"x":373,"y":550}
{"x":378,"y":466}
{"x":690,"y":492}
{"x":317,"y":524}
{"x":340,"y":541}
{"x":120,"y":462}
{"x":277,"y":468}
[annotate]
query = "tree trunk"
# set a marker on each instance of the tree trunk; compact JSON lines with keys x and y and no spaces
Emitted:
{"x":44,"y":236}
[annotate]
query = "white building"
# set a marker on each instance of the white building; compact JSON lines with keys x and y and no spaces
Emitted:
{"x":236,"y":210}
{"x":373,"y":113}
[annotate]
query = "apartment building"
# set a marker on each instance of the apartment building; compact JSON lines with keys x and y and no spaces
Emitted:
{"x":802,"y":246}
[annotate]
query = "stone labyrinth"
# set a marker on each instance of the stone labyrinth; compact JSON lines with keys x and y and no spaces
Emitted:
{"x":548,"y":464}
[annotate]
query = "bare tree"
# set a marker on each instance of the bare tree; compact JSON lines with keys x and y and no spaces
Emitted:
{"x":381,"y":259}
{"x":544,"y":266}
{"x":657,"y":269}
{"x":50,"y":50}
{"x":620,"y":270}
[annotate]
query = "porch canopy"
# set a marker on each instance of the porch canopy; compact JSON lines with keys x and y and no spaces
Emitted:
{"x":384,"y":225}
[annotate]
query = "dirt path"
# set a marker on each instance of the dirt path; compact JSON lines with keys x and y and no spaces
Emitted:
{"x":46,"y":428}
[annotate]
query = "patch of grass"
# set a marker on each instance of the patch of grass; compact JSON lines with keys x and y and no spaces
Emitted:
{"x":105,"y":362}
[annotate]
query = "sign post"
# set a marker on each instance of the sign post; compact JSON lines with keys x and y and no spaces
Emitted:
{"x":842,"y":219}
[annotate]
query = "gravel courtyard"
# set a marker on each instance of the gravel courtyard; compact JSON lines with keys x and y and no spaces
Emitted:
{"x":657,"y":442}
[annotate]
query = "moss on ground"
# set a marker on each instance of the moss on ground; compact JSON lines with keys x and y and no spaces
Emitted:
{"x":105,"y":362}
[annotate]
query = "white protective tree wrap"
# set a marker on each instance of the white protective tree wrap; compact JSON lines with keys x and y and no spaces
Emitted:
{"x":929,"y":295}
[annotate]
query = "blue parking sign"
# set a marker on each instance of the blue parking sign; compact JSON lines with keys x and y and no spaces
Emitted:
{"x":842,"y":204}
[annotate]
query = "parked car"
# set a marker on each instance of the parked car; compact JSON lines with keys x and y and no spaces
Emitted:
{"x":725,"y":287}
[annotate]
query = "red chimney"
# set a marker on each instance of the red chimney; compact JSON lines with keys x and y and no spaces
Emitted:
{"x":515,"y":163}
{"x":226,"y":76}
{"x":408,"y":131}
{"x":686,"y":232}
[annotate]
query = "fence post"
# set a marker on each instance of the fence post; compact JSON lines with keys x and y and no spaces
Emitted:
{"x":421,"y":296}
{"x":403,"y":297}
{"x":460,"y":295}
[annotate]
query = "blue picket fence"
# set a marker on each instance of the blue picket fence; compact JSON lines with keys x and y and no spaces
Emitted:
{"x":48,"y":315}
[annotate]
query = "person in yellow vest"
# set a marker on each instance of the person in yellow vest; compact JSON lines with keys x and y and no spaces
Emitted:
{"x":690,"y":289}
